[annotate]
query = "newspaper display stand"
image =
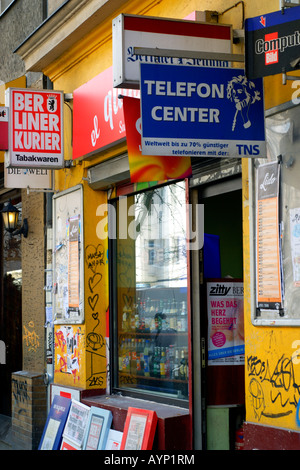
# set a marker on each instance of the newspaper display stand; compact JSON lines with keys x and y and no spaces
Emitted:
{"x":139,"y":429}
{"x":99,"y":424}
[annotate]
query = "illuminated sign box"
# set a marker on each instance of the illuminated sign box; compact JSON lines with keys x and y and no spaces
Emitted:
{"x":201,"y":112}
{"x":272,"y":43}
{"x":35,"y":129}
{"x":130,"y":31}
{"x":32,"y":178}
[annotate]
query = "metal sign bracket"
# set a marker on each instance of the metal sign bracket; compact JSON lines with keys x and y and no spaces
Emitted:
{"x":284,"y":5}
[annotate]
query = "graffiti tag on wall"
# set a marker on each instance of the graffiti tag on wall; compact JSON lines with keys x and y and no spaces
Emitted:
{"x":274,"y":390}
{"x":30,"y":338}
{"x":95,"y":316}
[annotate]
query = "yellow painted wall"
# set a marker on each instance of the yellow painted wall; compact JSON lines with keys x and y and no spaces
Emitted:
{"x":89,"y":355}
{"x":17,"y":83}
{"x":272,"y":379}
{"x":272,"y":367}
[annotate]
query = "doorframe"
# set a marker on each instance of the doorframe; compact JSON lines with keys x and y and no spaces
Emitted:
{"x":229,"y":181}
{"x":7,"y":368}
{"x":198,"y":425}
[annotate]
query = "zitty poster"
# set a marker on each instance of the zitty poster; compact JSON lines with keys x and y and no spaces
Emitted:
{"x":35,"y":128}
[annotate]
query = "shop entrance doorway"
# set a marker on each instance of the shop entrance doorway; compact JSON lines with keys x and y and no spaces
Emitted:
{"x":10,"y":312}
{"x":220,"y":267}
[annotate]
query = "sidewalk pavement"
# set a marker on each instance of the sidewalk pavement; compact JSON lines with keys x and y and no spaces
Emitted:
{"x":5,"y":433}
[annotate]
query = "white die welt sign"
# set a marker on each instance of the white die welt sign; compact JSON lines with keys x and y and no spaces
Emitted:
{"x":35,"y":128}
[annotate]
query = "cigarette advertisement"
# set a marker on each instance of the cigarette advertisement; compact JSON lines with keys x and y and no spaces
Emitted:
{"x":268,"y":270}
{"x":225,"y":311}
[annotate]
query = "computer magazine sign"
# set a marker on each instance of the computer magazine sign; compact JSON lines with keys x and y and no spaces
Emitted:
{"x":201,"y":112}
{"x":35,"y":128}
{"x":272,"y":43}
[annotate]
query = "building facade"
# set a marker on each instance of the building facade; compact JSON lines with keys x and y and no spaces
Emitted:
{"x":22,"y":283}
{"x":130,"y":317}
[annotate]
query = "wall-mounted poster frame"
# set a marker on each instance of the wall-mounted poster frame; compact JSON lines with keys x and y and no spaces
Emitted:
{"x":276,"y":219}
{"x":68,"y":262}
{"x":268,"y":252}
{"x":139,"y":429}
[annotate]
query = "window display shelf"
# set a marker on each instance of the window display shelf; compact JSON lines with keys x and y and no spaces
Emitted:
{"x":155,"y":314}
{"x":152,"y":342}
{"x":166,"y":379}
{"x":151,"y":296}
{"x":145,"y":333}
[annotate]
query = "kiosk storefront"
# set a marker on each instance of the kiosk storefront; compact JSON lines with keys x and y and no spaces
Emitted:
{"x":145,"y":300}
{"x":147,"y":333}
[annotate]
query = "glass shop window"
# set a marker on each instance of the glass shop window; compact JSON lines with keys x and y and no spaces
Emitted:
{"x":151,"y":293}
{"x":276,"y":196}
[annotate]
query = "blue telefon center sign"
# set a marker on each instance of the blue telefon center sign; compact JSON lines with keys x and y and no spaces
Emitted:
{"x":201,"y":112}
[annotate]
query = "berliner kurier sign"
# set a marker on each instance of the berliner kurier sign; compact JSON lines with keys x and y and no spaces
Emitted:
{"x":272,"y":43}
{"x":35,"y":128}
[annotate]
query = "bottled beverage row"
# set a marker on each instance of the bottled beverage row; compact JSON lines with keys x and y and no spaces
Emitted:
{"x":155,"y":315}
{"x":142,"y":357}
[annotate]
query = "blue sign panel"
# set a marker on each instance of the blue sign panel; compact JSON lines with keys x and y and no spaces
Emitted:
{"x":201,"y":112}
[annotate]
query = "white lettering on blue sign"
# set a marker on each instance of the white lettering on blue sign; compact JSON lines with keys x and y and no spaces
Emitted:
{"x":167,"y":88}
{"x":167,"y":113}
{"x":199,"y":109}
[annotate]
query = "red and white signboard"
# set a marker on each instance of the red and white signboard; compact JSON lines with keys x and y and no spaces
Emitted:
{"x":98,"y":119}
{"x":130,"y":31}
{"x":3,"y":128}
{"x":35,"y":128}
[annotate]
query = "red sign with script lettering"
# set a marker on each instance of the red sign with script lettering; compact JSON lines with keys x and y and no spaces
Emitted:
{"x":98,"y":120}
